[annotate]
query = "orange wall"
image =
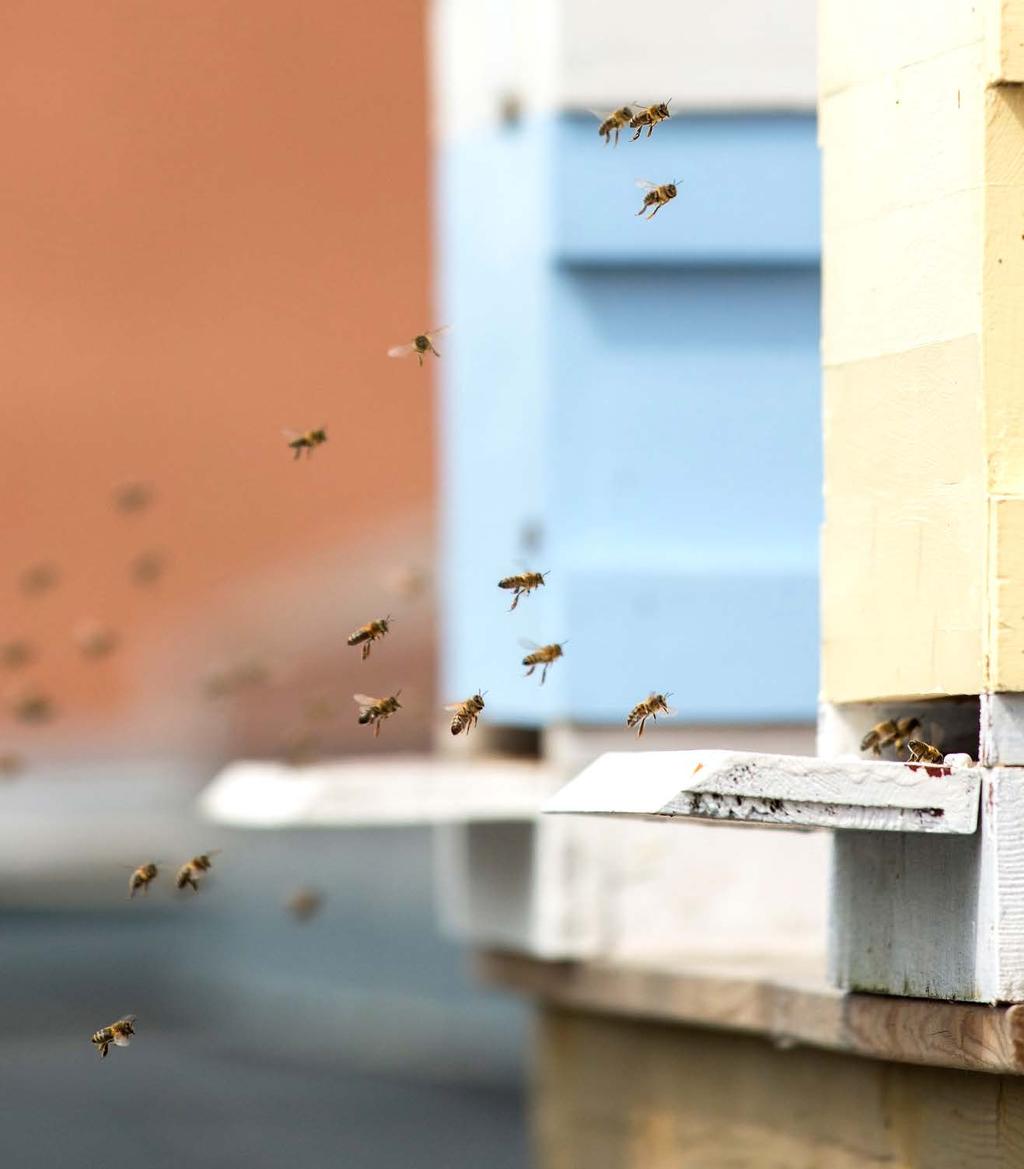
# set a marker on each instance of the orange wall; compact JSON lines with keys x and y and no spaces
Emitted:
{"x":213,"y":222}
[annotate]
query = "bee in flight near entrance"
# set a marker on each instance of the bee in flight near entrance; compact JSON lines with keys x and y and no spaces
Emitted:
{"x":192,"y":870}
{"x":655,"y":196}
{"x":465,"y":714}
{"x":649,"y":116}
{"x":305,"y":441}
{"x":421,"y":345}
{"x":522,"y":584}
{"x":614,"y":123}
{"x":141,"y":878}
{"x":95,"y":640}
{"x":893,"y":732}
{"x":16,"y":653}
{"x":919,"y":752}
{"x":119,"y":1033}
{"x":304,"y":903}
{"x":148,"y":567}
{"x":39,"y":578}
{"x":373,"y":711}
{"x":649,"y":708}
{"x":130,"y":497}
{"x":541,"y":655}
{"x":367,"y":634}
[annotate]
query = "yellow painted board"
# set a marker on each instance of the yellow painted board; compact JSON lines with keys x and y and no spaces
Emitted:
{"x":870,"y":37}
{"x":1006,"y":630}
{"x":1006,"y":41}
{"x":901,"y":140}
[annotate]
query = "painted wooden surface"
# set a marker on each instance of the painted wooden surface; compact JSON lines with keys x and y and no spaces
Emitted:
{"x":616,"y":1094}
{"x":923,"y":196}
{"x":1002,"y":730}
{"x":399,"y":789}
{"x":786,"y":1001}
{"x":776,"y":789}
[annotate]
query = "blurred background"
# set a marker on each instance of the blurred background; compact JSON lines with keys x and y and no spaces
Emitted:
{"x":216,"y":218}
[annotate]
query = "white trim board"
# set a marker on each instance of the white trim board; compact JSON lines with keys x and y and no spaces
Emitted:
{"x":787,"y":790}
{"x":399,"y":790}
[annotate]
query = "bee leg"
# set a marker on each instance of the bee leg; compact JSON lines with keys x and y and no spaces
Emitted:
{"x":376,"y":730}
{"x":544,"y":673}
{"x":657,"y":208}
{"x":419,"y":358}
{"x":640,"y":728}
{"x":366,"y":650}
{"x":650,"y":130}
{"x":104,"y":1048}
{"x":515,"y":600}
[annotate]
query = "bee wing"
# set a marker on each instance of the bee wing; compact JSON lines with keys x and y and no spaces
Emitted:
{"x":402,"y":350}
{"x":455,"y":706}
{"x":365,"y":699}
{"x":600,"y":117}
{"x":437,"y":332}
{"x":646,"y":185}
{"x":290,"y":434}
{"x":526,"y":643}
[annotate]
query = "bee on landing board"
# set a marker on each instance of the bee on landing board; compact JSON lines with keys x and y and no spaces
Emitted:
{"x":919,"y":752}
{"x":613,"y":123}
{"x":373,"y":711}
{"x":367,"y":634}
{"x":649,"y":708}
{"x":421,"y":345}
{"x":893,"y":732}
{"x":522,"y":584}
{"x":193,"y":870}
{"x":119,"y":1034}
{"x":141,"y":878}
{"x":655,"y":197}
{"x":541,"y":655}
{"x":649,"y":116}
{"x":305,"y":441}
{"x":465,"y":714}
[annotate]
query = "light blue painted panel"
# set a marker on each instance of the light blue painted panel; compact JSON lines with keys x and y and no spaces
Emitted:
{"x":641,"y":420}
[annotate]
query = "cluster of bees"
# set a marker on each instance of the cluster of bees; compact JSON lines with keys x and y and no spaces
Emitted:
{"x":898,"y":733}
{"x":643,"y":117}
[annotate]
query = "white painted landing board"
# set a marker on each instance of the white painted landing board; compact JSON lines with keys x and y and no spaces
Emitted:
{"x":791,"y":790}
{"x":366,"y":792}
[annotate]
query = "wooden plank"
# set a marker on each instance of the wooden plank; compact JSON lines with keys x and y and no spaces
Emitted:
{"x":1002,"y":730}
{"x":787,"y":790}
{"x":786,"y":1003}
{"x":363,"y":792}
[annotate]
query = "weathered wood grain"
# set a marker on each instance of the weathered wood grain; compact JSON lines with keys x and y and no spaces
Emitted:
{"x":787,"y":790}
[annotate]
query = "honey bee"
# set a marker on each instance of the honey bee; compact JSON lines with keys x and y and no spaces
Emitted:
{"x":131,"y":497}
{"x":421,"y":345}
{"x":656,"y":197}
{"x":31,"y":706}
{"x":892,"y":732}
{"x":39,"y":578}
{"x":522,"y":585}
{"x":648,"y":709}
{"x":466,"y":713}
{"x":192,"y":870}
{"x":542,"y":655}
{"x":304,"y":903}
{"x":367,"y":634}
{"x":95,"y":640}
{"x":614,"y":123}
{"x":119,"y":1033}
{"x":305,"y":441}
{"x":918,"y":752}
{"x":373,"y":711}
{"x":649,"y":116}
{"x":141,"y":878}
{"x":147,"y":567}
{"x":16,"y":653}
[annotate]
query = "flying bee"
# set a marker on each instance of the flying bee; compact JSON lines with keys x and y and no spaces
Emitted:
{"x":614,"y":123}
{"x":465,"y":714}
{"x":304,"y":903}
{"x":367,"y":634}
{"x":421,"y":345}
{"x":919,"y":752}
{"x":522,"y":585}
{"x":147,"y":567}
{"x":141,"y":878}
{"x":31,"y":706}
{"x":541,"y":655}
{"x":16,"y":653}
{"x":649,"y":708}
{"x":893,"y":732}
{"x":192,"y":870}
{"x":305,"y":441}
{"x":131,"y":497}
{"x":119,"y":1033}
{"x":373,"y":711}
{"x":656,"y":197}
{"x":39,"y":578}
{"x":649,"y":116}
{"x":95,"y":640}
